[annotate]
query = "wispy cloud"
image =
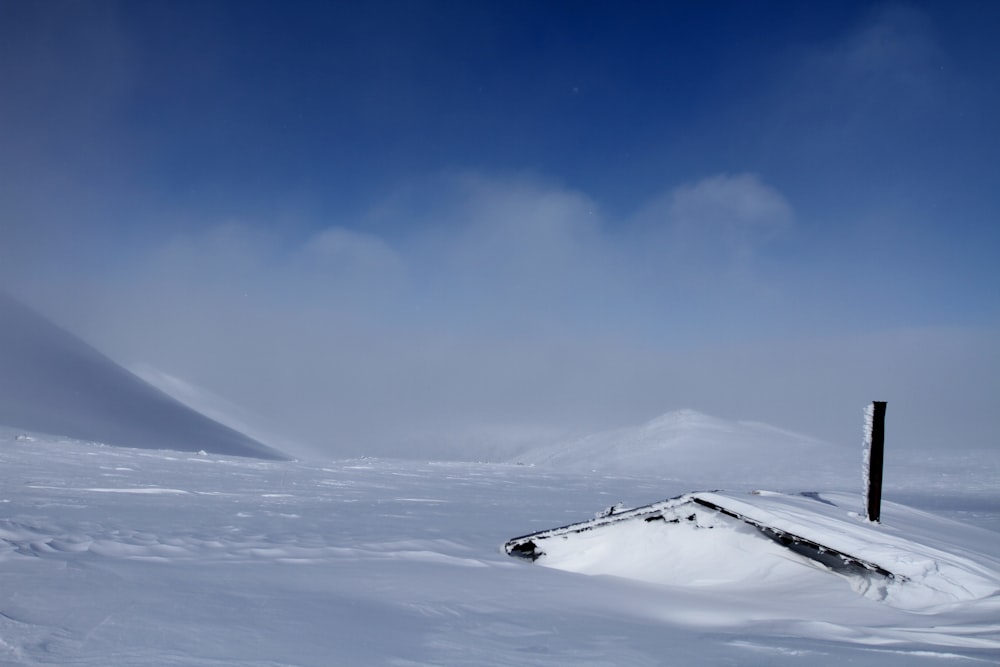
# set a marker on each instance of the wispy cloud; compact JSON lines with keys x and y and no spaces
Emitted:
{"x":718,"y":222}
{"x":863,"y":90}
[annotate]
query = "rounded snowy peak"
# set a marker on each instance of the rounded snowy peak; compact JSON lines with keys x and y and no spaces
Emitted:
{"x":688,"y":443}
{"x":685,"y":419}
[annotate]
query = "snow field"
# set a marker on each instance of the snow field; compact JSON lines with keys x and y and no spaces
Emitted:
{"x":114,"y":556}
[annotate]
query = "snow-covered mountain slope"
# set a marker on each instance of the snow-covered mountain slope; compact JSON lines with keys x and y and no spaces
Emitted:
{"x":52,"y":382}
{"x":220,"y":409}
{"x":117,"y":556}
{"x":686,"y":444}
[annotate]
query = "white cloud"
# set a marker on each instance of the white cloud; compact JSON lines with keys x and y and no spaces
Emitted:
{"x":525,"y":240}
{"x":735,"y":210}
{"x":337,"y":246}
{"x":710,"y":236}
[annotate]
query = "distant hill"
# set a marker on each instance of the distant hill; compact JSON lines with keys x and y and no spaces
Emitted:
{"x":691,"y":445}
{"x":52,"y":382}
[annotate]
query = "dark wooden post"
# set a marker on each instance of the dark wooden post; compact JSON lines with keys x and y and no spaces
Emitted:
{"x":874,"y":457}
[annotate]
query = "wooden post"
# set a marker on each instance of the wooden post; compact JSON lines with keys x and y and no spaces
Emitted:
{"x":874,"y":457}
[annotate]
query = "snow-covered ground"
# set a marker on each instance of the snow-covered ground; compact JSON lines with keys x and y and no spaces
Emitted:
{"x":115,"y":556}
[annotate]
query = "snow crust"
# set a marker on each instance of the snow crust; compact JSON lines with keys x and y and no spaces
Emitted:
{"x":117,"y":556}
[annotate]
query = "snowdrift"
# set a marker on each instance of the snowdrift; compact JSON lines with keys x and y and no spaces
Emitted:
{"x":52,"y":382}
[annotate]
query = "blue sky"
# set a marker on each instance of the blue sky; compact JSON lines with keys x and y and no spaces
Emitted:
{"x":493,"y":221}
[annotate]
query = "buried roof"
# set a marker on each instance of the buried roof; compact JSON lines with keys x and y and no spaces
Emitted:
{"x":915,"y":560}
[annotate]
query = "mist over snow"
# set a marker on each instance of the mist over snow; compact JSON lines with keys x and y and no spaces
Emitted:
{"x":703,"y":450}
{"x":475,"y":318}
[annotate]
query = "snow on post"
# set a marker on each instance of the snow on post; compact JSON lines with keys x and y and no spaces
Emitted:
{"x":873,"y":458}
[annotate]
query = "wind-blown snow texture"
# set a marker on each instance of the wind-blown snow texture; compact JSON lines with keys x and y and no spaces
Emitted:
{"x":115,"y":556}
{"x":52,"y":382}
